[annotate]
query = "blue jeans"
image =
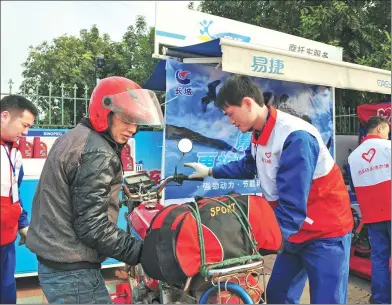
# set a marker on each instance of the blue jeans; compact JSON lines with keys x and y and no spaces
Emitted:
{"x":7,"y":271}
{"x":326,"y":263}
{"x":380,"y":241}
{"x":84,"y":286}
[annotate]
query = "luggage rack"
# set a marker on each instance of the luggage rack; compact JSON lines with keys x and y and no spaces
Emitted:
{"x":251,"y":276}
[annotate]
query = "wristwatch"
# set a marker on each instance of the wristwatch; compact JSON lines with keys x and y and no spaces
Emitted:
{"x":210,"y":172}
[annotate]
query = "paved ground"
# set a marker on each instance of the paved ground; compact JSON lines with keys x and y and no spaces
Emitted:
{"x":29,"y":291}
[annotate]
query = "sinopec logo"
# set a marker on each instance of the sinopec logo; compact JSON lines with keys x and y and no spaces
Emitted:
{"x":53,"y":133}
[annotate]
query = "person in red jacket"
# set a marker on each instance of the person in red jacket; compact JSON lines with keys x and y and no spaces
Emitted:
{"x":17,"y":116}
{"x":370,"y":166}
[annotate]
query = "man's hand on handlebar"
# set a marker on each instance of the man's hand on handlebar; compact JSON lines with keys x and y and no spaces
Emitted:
{"x":201,"y":171}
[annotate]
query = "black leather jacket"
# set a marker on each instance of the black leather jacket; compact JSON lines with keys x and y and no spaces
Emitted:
{"x":76,"y":204}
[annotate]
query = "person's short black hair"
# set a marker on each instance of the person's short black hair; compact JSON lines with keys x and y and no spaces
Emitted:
{"x":235,"y":89}
{"x":373,"y":122}
{"x":17,"y":104}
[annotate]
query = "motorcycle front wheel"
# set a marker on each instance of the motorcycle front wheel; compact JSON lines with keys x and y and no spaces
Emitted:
{"x":235,"y":289}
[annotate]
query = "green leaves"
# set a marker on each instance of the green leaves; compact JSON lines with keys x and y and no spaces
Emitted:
{"x":381,"y":54}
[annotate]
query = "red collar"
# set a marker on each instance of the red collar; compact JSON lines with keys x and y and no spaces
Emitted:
{"x":14,"y":144}
{"x":370,"y":137}
{"x":267,"y":130}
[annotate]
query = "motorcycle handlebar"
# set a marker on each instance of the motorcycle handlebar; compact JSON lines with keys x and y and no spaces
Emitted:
{"x":177,"y":178}
{"x":180,"y":178}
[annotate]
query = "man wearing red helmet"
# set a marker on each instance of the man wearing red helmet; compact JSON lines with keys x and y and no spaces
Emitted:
{"x":76,"y":204}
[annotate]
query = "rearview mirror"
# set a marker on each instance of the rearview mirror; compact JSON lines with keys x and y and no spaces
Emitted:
{"x":185,"y":145}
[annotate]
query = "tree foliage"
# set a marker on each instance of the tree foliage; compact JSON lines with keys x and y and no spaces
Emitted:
{"x":73,"y":60}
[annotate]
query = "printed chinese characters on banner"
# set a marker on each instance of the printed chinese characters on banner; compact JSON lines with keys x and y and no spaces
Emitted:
{"x":303,"y":50}
{"x":267,"y":65}
{"x":229,"y":185}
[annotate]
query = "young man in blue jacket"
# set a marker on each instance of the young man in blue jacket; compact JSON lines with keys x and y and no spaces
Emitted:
{"x":300,"y":179}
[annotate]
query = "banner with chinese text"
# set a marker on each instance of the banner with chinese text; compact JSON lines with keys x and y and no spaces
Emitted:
{"x":191,"y":113}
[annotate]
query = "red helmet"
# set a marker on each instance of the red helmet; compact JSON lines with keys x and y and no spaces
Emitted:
{"x":127,"y":100}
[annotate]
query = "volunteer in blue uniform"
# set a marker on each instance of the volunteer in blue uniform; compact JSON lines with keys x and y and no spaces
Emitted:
{"x":299,"y":177}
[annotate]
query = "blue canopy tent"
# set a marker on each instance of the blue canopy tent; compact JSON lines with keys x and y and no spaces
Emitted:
{"x":157,"y":80}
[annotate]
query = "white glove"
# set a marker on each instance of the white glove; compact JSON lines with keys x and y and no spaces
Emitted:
{"x":201,"y":171}
{"x":23,"y":235}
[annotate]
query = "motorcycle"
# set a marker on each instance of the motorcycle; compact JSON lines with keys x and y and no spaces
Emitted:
{"x":236,"y":284}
